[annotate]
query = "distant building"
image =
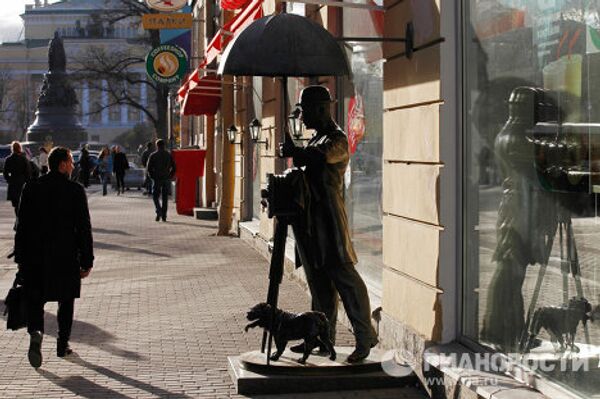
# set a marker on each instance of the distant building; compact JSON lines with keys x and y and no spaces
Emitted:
{"x":23,"y":63}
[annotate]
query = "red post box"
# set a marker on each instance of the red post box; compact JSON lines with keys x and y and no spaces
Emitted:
{"x":190,"y":167}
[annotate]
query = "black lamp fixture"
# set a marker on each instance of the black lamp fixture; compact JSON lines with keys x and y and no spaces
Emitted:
{"x":231,"y":133}
{"x":295,"y":123}
{"x":255,"y":128}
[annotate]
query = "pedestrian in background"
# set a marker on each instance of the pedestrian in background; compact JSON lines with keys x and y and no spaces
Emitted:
{"x":120,"y":166}
{"x":145,"y":156}
{"x":33,"y":166}
{"x":17,"y":172}
{"x":43,"y":160}
{"x":103,"y":169}
{"x":85,"y":165}
{"x":54,"y":249}
{"x":161,"y":169}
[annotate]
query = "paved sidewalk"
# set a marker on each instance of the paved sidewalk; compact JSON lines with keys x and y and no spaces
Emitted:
{"x":163,"y":308}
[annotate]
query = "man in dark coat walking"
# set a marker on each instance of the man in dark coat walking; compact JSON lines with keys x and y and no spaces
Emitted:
{"x":326,"y":250}
{"x":17,"y":172}
{"x":53,"y":248}
{"x":161,"y":169}
{"x":120,"y":166}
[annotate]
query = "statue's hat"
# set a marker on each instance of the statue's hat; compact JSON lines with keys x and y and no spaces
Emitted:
{"x":314,"y":95}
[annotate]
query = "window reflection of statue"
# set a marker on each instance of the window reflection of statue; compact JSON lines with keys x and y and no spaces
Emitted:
{"x":527,"y":218}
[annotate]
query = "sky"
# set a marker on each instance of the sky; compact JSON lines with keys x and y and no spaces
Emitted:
{"x":10,"y":22}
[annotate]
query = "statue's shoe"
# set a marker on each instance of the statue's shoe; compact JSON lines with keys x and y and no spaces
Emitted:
{"x":361,"y":351}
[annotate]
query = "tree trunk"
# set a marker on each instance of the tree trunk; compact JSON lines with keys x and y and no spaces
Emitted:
{"x":227,"y":160}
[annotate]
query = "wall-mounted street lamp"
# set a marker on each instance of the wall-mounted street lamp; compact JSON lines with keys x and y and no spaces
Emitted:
{"x":255,"y":128}
{"x":231,"y":133}
{"x":295,"y":123}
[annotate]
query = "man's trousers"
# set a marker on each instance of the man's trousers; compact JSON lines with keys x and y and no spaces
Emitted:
{"x":325,"y":283}
{"x":35,"y":316}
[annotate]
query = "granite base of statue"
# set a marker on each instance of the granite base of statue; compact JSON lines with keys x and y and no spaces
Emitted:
{"x":57,"y":121}
{"x":255,"y":373}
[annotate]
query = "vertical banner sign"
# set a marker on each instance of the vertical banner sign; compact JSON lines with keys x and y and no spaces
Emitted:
{"x":356,"y":122}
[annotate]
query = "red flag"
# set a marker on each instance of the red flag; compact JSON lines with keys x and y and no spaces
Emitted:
{"x":356,"y":122}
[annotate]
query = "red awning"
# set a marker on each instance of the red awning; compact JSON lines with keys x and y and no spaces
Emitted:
{"x":250,"y":13}
{"x":198,"y":94}
{"x":203,"y":96}
{"x":233,"y":4}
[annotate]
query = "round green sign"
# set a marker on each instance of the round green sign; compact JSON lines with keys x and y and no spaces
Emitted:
{"x":166,"y":63}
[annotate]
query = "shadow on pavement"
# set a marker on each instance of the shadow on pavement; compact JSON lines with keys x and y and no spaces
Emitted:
{"x":154,"y":390}
{"x":90,"y":334}
{"x":81,"y":386}
{"x":108,"y":231}
{"x":84,"y":333}
{"x":115,"y":247}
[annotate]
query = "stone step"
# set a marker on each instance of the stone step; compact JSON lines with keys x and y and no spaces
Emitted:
{"x":252,"y":376}
{"x":206,"y":214}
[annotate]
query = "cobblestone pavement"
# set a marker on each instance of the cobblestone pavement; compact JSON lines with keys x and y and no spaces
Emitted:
{"x":160,"y":313}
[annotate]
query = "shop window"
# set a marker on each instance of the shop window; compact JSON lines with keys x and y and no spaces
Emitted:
{"x":361,"y":117}
{"x":532,"y":162}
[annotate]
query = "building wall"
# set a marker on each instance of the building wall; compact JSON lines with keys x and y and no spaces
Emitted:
{"x":412,"y":170}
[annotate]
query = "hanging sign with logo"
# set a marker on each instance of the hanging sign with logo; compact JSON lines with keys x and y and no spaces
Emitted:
{"x":166,"y":5}
{"x":167,"y":21}
{"x":356,"y":122}
{"x":166,"y":64}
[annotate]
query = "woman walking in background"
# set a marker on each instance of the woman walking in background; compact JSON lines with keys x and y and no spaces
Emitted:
{"x":43,"y":160}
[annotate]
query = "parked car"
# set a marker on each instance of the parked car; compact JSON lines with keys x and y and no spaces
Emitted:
{"x":134,"y":177}
{"x":77,"y":171}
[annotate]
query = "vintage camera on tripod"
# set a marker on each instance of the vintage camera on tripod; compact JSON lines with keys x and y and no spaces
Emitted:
{"x":284,"y":194}
{"x":567,"y":156}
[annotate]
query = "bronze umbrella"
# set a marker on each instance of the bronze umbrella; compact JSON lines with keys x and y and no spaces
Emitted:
{"x":284,"y":45}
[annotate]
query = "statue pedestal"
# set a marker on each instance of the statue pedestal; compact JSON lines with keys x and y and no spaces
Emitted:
{"x":251,"y":375}
{"x":59,"y":125}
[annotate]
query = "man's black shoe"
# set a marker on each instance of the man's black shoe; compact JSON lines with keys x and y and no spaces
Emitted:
{"x":63,"y":349}
{"x":361,"y":351}
{"x":359,"y":354}
{"x":35,"y":349}
{"x":300,"y":349}
{"x":157,"y":218}
{"x":164,"y":218}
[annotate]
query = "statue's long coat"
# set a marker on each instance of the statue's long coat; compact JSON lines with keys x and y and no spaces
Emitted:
{"x":327,"y":241}
{"x":54,"y":237}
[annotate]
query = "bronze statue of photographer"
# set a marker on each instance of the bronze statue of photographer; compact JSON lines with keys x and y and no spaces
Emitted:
{"x":324,"y":242}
